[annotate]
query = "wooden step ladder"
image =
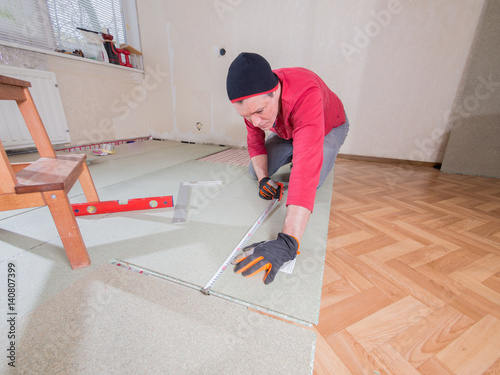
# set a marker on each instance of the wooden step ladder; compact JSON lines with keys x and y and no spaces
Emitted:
{"x":46,"y":181}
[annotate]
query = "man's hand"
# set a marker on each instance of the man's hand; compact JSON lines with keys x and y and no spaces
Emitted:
{"x":269,"y":189}
{"x":268,"y":256}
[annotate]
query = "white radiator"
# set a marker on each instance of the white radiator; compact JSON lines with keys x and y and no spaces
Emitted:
{"x":13,"y":131}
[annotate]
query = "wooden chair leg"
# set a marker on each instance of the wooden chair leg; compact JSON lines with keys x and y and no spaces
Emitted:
{"x":66,"y":224}
{"x":35,"y":125}
{"x":88,"y":185}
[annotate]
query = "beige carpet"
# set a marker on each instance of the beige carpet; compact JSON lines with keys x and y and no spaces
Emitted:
{"x":116,"y":321}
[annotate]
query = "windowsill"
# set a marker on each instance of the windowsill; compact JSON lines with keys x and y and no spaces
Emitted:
{"x":65,"y":56}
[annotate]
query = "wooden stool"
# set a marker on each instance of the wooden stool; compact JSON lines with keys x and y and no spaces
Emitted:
{"x":46,"y":181}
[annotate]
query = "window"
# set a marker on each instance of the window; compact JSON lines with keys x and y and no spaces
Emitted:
{"x":51,"y":24}
{"x":93,"y":15}
{"x":25,"y":22}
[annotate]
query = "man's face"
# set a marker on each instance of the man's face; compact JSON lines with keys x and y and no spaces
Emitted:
{"x":261,"y":111}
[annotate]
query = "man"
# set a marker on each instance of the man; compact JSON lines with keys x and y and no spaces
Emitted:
{"x":308,"y":125}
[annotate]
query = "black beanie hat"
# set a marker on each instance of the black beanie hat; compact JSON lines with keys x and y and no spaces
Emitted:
{"x":249,"y":75}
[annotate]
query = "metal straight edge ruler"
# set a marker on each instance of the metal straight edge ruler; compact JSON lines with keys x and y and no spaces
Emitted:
{"x":230,"y":258}
{"x":180,"y":210}
{"x":97,"y":208}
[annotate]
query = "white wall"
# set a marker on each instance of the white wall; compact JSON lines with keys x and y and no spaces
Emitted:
{"x":409,"y":79}
{"x":395,"y":64}
{"x":101,"y":102}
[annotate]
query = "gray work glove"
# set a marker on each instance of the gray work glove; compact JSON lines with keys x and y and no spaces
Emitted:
{"x":269,"y":189}
{"x":268,"y":256}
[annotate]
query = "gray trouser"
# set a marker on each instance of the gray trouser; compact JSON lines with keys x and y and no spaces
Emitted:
{"x":280,"y":151}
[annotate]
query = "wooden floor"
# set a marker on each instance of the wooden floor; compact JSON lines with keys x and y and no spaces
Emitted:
{"x":412,"y":274}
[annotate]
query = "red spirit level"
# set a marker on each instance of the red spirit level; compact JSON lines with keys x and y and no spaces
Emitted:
{"x":97,"y":208}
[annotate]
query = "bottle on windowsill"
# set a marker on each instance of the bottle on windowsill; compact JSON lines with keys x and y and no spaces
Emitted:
{"x":110,"y":47}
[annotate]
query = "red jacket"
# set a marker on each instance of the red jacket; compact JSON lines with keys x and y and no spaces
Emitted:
{"x":309,"y":111}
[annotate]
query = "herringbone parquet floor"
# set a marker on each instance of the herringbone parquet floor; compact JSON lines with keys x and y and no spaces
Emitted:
{"x":412,"y":274}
